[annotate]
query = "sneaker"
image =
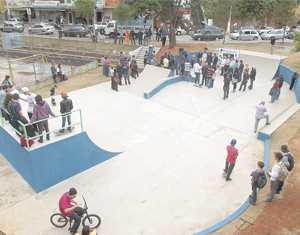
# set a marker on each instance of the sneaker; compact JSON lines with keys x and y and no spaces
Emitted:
{"x":268,"y":123}
{"x":224,"y":171}
{"x":62,"y":131}
{"x":41,"y":141}
{"x":277,"y":192}
{"x":229,"y":179}
{"x":267,"y":201}
{"x":48,"y":137}
{"x":252,"y":203}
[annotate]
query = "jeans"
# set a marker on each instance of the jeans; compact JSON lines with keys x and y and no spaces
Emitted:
{"x":126,"y":78}
{"x":274,"y":95}
{"x":278,"y":94}
{"x":240,"y":76}
{"x":226,"y":92}
{"x":75,"y":215}
{"x":140,"y":41}
{"x":186,"y":76}
{"x":258,"y":119}
{"x":209,"y":81}
{"x":243,"y":84}
{"x":106,"y":70}
{"x":144,"y":42}
{"x":197,"y":80}
{"x":121,"y":39}
{"x":64,"y":122}
{"x":251,"y":83}
{"x":132,"y":39}
{"x":54,"y":77}
{"x":192,"y":63}
{"x":164,"y":41}
{"x":178,"y":68}
{"x":273,"y":189}
{"x":203,"y":79}
{"x":222,"y":70}
{"x":228,"y":169}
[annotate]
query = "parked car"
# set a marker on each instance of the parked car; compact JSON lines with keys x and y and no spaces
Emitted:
{"x":287,"y":29}
{"x":246,"y":35}
{"x":291,"y":33}
{"x":43,"y":28}
{"x":13,"y":27}
{"x":264,"y":30}
{"x":75,"y":31}
{"x":14,"y":20}
{"x":180,"y":31}
{"x":100,"y":25}
{"x":207,"y":34}
{"x":277,"y":33}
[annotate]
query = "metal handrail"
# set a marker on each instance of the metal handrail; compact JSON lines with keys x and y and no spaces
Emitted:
{"x":36,"y":136}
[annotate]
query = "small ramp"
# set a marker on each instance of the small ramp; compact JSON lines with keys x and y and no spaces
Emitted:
{"x":150,"y":76}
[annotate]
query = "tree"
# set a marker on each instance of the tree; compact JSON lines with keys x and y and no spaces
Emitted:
{"x":84,"y":8}
{"x":254,"y":8}
{"x":283,"y":12}
{"x":122,"y":12}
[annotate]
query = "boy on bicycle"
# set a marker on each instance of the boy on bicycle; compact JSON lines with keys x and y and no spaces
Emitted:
{"x":73,"y":211}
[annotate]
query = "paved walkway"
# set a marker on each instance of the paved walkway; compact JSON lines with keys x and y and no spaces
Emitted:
{"x":168,"y":180}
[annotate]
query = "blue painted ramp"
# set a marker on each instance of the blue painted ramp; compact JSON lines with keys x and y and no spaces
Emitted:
{"x":53,"y":163}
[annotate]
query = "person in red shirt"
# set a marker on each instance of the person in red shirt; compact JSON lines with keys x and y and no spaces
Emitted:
{"x":73,"y":211}
{"x":232,"y":154}
{"x":274,"y":90}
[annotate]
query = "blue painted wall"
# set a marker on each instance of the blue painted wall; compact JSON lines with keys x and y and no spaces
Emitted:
{"x":53,"y":163}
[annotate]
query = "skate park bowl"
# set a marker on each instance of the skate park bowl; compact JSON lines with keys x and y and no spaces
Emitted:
{"x":167,"y":176}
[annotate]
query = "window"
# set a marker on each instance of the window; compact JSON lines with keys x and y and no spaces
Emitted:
{"x":217,"y":32}
{"x":253,"y":32}
{"x":110,"y":25}
{"x":247,"y":32}
{"x":208,"y":33}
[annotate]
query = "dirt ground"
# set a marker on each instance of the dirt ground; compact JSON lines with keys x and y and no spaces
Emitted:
{"x":279,"y":218}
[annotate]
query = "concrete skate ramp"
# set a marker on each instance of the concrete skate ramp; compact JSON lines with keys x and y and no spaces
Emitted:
{"x":53,"y":163}
{"x":149,"y":76}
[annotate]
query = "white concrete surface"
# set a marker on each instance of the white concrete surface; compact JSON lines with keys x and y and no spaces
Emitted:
{"x":168,"y":180}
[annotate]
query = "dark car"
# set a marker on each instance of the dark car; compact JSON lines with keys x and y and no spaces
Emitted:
{"x":75,"y":31}
{"x":208,"y":34}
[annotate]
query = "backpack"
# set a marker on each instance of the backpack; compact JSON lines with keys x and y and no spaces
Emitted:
{"x":283,"y":173}
{"x":23,"y":141}
{"x":261,"y":181}
{"x":291,"y":161}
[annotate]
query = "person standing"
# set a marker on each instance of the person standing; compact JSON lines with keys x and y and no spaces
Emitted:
{"x":197,"y":69}
{"x":121,"y":36}
{"x":146,"y":60}
{"x":41,"y":110}
{"x":132,"y":36}
{"x":187,"y":70}
{"x":66,"y":105}
{"x":132,"y":59}
{"x":209,"y":59}
{"x":135,"y":70}
{"x":272,"y":42}
{"x":245,"y":79}
{"x":6,"y":82}
{"x":204,"y":74}
{"x":166,"y":63}
{"x":260,"y":114}
{"x":226,"y":85}
{"x":235,"y":78}
{"x":16,"y":112}
{"x":179,"y":62}
{"x":127,"y":36}
{"x":294,"y":77}
{"x":140,"y":35}
{"x":193,"y":58}
{"x":274,"y":90}
{"x":102,"y":62}
{"x":115,"y":34}
{"x":200,"y":57}
{"x":126,"y":74}
{"x":227,"y":64}
{"x":232,"y":154}
{"x":285,"y":160}
{"x":241,"y":69}
{"x":273,"y":173}
{"x":3,"y":93}
{"x":30,"y":99}
{"x":106,"y":66}
{"x":54,"y":72}
{"x":281,"y":80}
{"x":164,"y":36}
{"x":119,"y":72}
{"x":254,"y":181}
{"x":204,"y":57}
{"x":223,"y":62}
{"x":215,"y":60}
{"x":209,"y":76}
{"x":252,"y":77}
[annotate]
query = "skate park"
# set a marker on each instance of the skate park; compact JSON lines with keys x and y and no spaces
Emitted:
{"x":165,"y":155}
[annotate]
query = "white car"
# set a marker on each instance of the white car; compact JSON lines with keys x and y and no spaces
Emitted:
{"x":180,"y":31}
{"x":247,"y":34}
{"x":264,"y":30}
{"x":42,"y":28}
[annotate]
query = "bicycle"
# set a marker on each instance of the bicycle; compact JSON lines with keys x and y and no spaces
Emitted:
{"x":92,"y":220}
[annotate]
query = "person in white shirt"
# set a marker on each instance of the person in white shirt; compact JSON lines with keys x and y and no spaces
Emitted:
{"x":197,"y":69}
{"x":232,"y":62}
{"x":204,"y":57}
{"x":30,"y":99}
{"x":187,"y":70}
{"x":274,"y":173}
{"x":260,"y":114}
{"x":223,"y":62}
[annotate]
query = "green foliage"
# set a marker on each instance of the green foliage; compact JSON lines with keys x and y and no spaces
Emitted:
{"x":84,"y":8}
{"x":284,"y":11}
{"x":297,"y":41}
{"x":251,"y":8}
{"x":122,"y":12}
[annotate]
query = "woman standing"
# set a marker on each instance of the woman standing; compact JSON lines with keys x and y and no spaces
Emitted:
{"x":193,"y":58}
{"x":235,"y":78}
{"x":187,"y":70}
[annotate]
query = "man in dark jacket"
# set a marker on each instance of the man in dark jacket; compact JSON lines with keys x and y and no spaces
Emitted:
{"x":54,"y":72}
{"x":252,"y":77}
{"x":245,"y":79}
{"x":215,"y":61}
{"x":255,"y":174}
{"x":132,"y":36}
{"x":241,"y":69}
{"x":280,"y":85}
{"x":209,"y":59}
{"x":204,"y":73}
{"x":66,"y":106}
{"x":120,"y":72}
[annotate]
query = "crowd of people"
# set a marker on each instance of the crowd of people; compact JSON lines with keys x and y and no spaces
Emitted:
{"x":37,"y":110}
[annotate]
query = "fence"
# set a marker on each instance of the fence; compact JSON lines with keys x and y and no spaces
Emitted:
{"x":27,"y":138}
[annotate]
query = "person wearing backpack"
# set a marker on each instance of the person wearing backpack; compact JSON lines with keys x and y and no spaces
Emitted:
{"x":274,"y":175}
{"x":288,"y":161}
{"x":258,"y":180}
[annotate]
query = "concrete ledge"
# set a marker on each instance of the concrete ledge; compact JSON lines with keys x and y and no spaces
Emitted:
{"x":53,"y":163}
{"x":266,"y":131}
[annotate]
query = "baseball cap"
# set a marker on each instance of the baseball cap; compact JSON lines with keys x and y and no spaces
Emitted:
{"x":233,"y":142}
{"x":5,"y":86}
{"x":25,"y":89}
{"x":64,"y":94}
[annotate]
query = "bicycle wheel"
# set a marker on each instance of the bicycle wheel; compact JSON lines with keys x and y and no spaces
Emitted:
{"x":58,"y":220}
{"x":91,"y":220}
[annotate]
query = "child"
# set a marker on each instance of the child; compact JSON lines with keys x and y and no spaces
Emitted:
{"x":87,"y":231}
{"x":255,"y":174}
{"x":52,"y":92}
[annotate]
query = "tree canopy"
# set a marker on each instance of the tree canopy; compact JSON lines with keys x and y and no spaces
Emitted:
{"x":84,"y":8}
